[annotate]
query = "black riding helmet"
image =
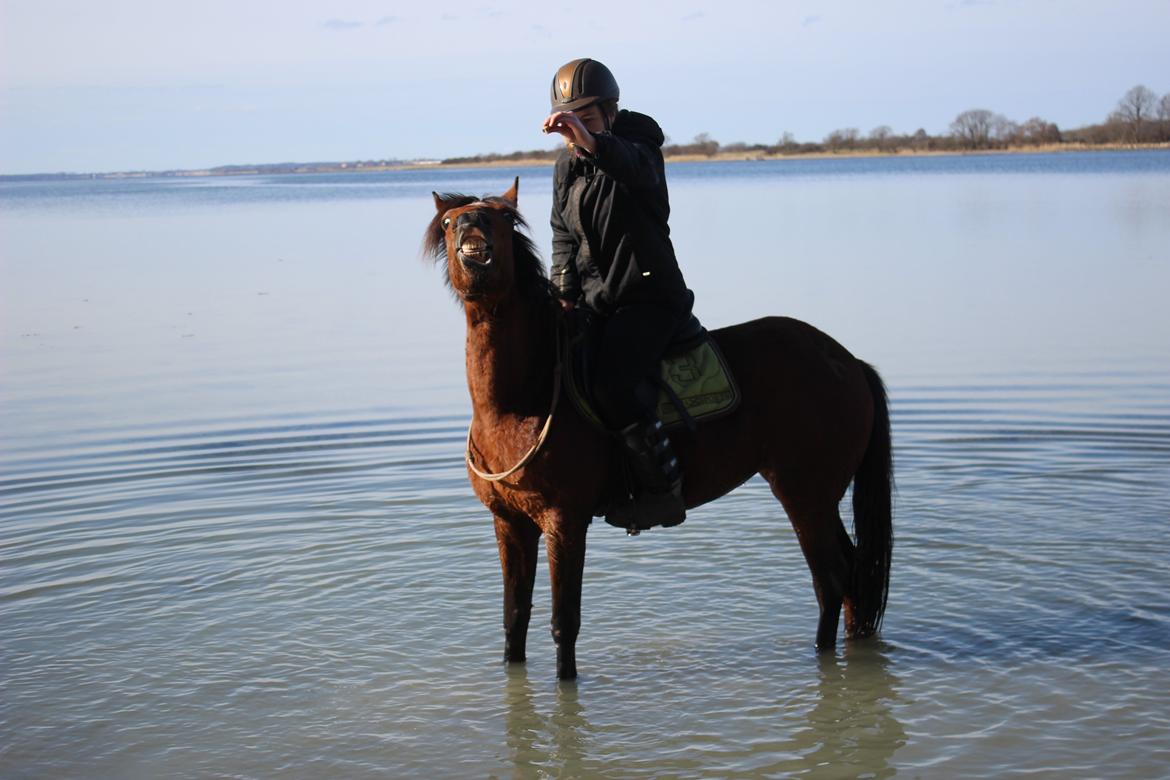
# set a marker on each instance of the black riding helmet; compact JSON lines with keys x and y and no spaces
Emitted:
{"x":581,"y":83}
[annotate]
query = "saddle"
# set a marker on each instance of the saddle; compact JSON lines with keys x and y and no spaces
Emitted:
{"x":694,"y":383}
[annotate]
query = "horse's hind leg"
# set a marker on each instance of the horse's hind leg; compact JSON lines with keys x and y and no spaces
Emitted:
{"x":517,"y":539}
{"x":829,"y":553}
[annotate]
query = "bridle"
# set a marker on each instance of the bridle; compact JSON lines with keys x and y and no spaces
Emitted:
{"x":544,"y":431}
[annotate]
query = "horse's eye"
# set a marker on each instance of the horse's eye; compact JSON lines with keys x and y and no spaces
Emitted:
{"x":446,"y":222}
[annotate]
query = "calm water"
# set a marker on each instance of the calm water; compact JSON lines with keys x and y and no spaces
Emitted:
{"x":237,"y":539}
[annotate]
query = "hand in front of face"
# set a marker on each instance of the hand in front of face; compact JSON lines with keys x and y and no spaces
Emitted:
{"x":568,"y":125}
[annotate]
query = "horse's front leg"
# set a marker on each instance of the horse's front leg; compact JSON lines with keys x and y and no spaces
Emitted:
{"x":566,"y":564}
{"x":517,"y":539}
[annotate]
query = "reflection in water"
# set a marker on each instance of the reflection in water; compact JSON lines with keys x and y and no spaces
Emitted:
{"x":540,"y":743}
{"x":851,"y":731}
{"x":847,"y":730}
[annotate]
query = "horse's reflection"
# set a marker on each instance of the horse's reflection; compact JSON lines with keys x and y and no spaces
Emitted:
{"x":542,"y":742}
{"x":851,"y":730}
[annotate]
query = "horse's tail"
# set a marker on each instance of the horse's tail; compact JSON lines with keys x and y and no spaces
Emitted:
{"x":873,"y":522}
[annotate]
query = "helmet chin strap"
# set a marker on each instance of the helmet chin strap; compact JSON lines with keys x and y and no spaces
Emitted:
{"x":605,"y":118}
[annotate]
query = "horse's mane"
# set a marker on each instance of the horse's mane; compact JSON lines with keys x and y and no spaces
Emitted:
{"x":531,"y":278}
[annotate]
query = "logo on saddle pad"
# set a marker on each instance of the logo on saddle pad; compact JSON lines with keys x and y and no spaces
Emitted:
{"x":699,"y":381}
{"x":682,"y":370}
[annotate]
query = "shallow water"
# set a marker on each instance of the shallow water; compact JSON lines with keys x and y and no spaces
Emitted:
{"x":236,"y":535}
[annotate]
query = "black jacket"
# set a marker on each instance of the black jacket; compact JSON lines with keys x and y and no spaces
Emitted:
{"x":611,"y":241}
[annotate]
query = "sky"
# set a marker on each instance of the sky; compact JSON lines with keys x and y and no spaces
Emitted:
{"x":161,"y":84}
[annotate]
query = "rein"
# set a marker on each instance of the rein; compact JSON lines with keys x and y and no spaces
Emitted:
{"x":528,"y":456}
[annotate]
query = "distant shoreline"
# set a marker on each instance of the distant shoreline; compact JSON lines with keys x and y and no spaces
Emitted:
{"x":749,"y":156}
{"x":281,"y":169}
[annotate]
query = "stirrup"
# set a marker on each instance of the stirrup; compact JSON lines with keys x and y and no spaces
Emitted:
{"x":657,"y":487}
{"x":648,"y":510}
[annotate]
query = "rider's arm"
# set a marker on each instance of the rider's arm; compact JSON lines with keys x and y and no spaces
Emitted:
{"x":564,"y":251}
{"x":633,"y":163}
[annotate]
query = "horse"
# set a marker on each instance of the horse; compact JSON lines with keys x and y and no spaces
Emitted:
{"x":812,"y":420}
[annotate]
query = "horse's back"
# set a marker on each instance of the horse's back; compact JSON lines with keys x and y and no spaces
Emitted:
{"x":783,"y":353}
{"x":792,"y":337}
{"x":806,"y":407}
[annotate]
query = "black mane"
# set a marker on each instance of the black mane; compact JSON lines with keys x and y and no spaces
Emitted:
{"x":531,"y":278}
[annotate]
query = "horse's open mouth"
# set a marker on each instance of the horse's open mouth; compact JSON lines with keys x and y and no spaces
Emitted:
{"x":475,"y":250}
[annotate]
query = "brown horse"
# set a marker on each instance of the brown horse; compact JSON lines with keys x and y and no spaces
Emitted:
{"x":813,"y":418}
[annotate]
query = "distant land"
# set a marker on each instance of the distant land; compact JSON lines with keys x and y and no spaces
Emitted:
{"x":1141,"y":120}
{"x":731,"y":153}
{"x":261,"y":169}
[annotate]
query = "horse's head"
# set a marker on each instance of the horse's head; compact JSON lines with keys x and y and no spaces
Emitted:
{"x":486,"y":256}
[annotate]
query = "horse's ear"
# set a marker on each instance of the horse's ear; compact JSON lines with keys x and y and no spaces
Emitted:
{"x":440,"y":204}
{"x":510,"y":195}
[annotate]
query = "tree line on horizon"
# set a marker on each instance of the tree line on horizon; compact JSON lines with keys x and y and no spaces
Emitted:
{"x":1141,"y":117}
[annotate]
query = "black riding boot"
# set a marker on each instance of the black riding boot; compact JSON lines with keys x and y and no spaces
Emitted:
{"x":657,"y":481}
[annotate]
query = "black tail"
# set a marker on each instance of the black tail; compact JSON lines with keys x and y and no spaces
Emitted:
{"x":873,"y":520}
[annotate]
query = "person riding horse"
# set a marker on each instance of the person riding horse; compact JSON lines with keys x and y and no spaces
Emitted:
{"x":613,"y":256}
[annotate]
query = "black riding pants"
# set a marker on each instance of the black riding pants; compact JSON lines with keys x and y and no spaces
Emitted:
{"x":631,"y":343}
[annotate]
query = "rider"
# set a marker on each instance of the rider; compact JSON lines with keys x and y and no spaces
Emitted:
{"x":612,"y":255}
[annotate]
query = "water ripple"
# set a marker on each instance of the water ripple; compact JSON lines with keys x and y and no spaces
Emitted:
{"x":290,"y":583}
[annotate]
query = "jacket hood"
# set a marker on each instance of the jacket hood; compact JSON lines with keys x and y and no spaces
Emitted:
{"x":638,"y":127}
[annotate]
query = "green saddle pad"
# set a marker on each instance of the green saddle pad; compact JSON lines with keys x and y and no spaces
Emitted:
{"x":702,"y":383}
{"x":699,"y":381}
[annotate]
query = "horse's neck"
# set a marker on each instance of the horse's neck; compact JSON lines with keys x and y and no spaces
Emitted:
{"x":510,"y":356}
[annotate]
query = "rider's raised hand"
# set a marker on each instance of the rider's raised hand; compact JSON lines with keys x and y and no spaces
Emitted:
{"x":568,"y":125}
